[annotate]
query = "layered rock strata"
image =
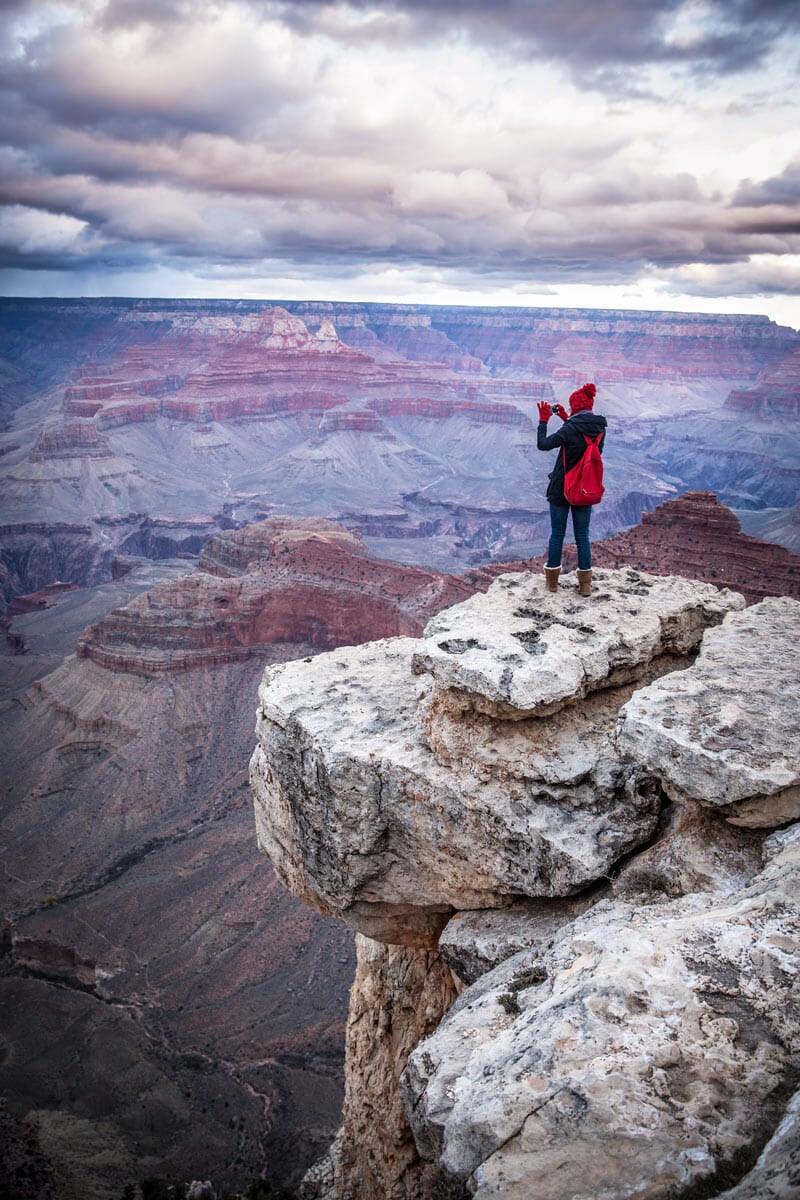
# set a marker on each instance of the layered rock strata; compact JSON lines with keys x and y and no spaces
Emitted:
{"x":696,"y":536}
{"x":776,"y":394}
{"x":282,"y":581}
{"x":620,"y":1006}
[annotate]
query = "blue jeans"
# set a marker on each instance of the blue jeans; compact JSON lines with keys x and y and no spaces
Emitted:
{"x":581,"y":516}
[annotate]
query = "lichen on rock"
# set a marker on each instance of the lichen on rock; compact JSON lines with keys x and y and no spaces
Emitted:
{"x":519,"y":650}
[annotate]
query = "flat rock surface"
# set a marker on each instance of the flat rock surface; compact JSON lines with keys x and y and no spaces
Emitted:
{"x":647,"y":1050}
{"x":519,"y":650}
{"x":727,"y":730}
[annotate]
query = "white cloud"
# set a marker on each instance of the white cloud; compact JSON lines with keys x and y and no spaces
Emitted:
{"x":31,"y":232}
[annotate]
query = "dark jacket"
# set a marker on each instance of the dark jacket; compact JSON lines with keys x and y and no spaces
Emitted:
{"x":570,"y":436}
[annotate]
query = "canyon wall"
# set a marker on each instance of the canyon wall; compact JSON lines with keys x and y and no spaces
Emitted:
{"x":413,"y":424}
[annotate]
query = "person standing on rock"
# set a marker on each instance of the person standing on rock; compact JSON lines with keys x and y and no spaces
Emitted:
{"x":570,"y":440}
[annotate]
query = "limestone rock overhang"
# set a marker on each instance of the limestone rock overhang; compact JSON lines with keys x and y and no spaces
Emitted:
{"x":402,"y":780}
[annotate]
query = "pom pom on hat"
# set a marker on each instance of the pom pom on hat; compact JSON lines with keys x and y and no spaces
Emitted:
{"x":583,"y":399}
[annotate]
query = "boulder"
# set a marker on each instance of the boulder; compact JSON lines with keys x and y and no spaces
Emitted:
{"x":648,"y":1046}
{"x":521,"y":651}
{"x":726,"y":732}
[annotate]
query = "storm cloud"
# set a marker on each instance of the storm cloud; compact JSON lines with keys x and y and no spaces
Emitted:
{"x":524,"y":145}
{"x":728,"y":34}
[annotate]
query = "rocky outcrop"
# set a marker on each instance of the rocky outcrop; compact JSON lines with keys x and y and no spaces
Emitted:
{"x":513,"y":653}
{"x":308,"y":583}
{"x":576,"y":810}
{"x":435,"y":787}
{"x":696,"y":536}
{"x":648,"y":1047}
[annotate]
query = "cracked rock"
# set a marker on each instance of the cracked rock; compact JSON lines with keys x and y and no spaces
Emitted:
{"x":519,"y":650}
{"x":726,"y":732}
{"x":649,"y":1051}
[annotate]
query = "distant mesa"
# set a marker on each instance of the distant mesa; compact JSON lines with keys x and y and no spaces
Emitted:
{"x":699,"y":538}
{"x":304,"y":582}
{"x":310,"y":583}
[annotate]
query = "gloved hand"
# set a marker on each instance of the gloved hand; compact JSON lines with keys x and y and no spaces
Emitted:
{"x":544,"y":411}
{"x":560,"y":411}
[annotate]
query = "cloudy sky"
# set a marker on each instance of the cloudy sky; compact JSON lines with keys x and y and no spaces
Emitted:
{"x":612,"y":153}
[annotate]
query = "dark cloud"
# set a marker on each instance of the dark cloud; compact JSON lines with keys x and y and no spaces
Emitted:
{"x":207,"y":137}
{"x":780,"y":189}
{"x":128,"y":14}
{"x":592,"y":38}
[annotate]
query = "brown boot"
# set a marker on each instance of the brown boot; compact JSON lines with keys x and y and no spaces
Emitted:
{"x":551,"y":575}
{"x":584,"y":583}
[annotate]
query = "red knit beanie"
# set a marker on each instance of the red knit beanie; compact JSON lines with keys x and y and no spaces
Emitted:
{"x":583,"y":399}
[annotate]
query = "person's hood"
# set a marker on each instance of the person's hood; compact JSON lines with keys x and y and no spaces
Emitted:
{"x":590,"y":423}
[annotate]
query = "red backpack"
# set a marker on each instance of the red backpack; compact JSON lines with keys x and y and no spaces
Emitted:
{"x":584,"y":483}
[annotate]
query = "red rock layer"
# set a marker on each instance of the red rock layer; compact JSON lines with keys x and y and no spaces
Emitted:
{"x":309,"y":583}
{"x":69,"y":439}
{"x":698,"y":537}
{"x":273,"y":365}
{"x":480,"y":413}
{"x":776,"y":394}
{"x":87,"y":395}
